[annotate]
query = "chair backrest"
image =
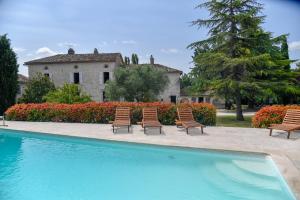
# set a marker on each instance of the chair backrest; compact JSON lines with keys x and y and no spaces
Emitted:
{"x":292,"y":117}
{"x":122,"y":113}
{"x":150,"y":114}
{"x":185,"y":114}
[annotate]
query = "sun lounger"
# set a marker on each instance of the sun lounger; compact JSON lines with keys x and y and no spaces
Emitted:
{"x":122,"y":118}
{"x":291,"y":122}
{"x":186,"y":119}
{"x":150,"y":119}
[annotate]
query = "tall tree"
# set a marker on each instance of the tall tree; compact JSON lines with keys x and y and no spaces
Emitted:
{"x":228,"y":61}
{"x":141,"y":83}
{"x":134,"y":59}
{"x":285,"y":51}
{"x":298,"y":65}
{"x":127,"y":60}
{"x":8,"y":74}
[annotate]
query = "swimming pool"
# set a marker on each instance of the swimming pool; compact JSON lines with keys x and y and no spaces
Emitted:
{"x":43,"y":167}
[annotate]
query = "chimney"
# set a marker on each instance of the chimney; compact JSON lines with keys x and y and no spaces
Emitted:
{"x":151,"y":60}
{"x":96,"y":51}
{"x":71,"y":51}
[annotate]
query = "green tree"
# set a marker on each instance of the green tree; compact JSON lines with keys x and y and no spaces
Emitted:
{"x":8,"y":74}
{"x":298,"y":65}
{"x":36,"y":88}
{"x":69,"y":93}
{"x":285,"y":51}
{"x":141,"y":83}
{"x":185,"y":81}
{"x":134,"y":59}
{"x":127,"y":60}
{"x":227,"y":60}
{"x":186,"y":84}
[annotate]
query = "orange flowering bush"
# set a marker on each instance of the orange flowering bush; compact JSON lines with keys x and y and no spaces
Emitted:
{"x":104,"y":112}
{"x":271,"y":115}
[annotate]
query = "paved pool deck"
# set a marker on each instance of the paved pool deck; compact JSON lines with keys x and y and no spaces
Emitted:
{"x":285,"y":153}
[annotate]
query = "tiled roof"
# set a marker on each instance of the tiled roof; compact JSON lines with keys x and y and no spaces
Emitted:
{"x":76,"y":58}
{"x":22,"y":78}
{"x":168,"y":69}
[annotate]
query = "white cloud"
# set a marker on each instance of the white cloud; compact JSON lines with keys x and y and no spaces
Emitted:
{"x":170,"y":51}
{"x":18,"y":49}
{"x":103,"y":43}
{"x":67,"y":44}
{"x":45,"y":51}
{"x":129,"y":42}
{"x":294,"y":46}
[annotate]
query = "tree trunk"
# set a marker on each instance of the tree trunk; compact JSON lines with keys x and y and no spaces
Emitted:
{"x":228,"y":105}
{"x":239,"y":111}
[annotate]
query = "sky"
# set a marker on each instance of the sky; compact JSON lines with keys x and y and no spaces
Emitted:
{"x":39,"y":28}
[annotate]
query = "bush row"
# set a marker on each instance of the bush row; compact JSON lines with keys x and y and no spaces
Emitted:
{"x":104,"y":112}
{"x":271,"y":115}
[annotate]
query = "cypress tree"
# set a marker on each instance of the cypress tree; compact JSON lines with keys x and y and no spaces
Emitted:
{"x":8,"y":74}
{"x":135,"y":59}
{"x":127,"y":60}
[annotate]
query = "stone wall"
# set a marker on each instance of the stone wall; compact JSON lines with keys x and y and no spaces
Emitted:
{"x":91,"y":75}
{"x":173,"y":88}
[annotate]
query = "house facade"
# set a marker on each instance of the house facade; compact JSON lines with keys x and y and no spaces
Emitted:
{"x":22,"y":81}
{"x":91,"y":71}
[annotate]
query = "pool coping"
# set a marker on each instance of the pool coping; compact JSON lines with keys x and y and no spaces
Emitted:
{"x":283,"y":163}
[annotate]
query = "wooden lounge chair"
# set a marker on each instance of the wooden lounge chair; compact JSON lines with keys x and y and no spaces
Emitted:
{"x":122,"y":118}
{"x":186,"y":119}
{"x":150,"y":119}
{"x":291,"y":122}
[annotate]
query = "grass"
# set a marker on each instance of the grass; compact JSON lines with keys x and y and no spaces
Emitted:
{"x":230,"y":121}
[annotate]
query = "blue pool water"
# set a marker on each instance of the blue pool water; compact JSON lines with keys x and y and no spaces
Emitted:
{"x":43,"y":167}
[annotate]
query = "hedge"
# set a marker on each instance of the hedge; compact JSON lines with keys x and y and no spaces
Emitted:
{"x":271,"y":115}
{"x":104,"y":112}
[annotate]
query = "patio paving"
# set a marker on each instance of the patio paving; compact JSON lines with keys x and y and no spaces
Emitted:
{"x":285,"y":153}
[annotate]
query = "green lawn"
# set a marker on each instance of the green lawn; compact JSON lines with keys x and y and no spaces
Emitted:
{"x":230,"y":121}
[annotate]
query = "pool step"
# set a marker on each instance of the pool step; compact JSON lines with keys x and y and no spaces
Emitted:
{"x":255,"y":168}
{"x":233,"y":189}
{"x":239,"y":175}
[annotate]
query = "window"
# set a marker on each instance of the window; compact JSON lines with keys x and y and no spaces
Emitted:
{"x":200,"y":99}
{"x":47,"y":75}
{"x":105,"y":66}
{"x":46,"y":67}
{"x":173,"y":99}
{"x":19,"y":89}
{"x":103,"y":96}
{"x":75,"y":67}
{"x":76,"y":78}
{"x":105,"y":77}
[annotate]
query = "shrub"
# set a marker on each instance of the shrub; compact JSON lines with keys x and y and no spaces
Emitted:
{"x":104,"y":112}
{"x":68,"y":93}
{"x":271,"y":115}
{"x":36,"y":88}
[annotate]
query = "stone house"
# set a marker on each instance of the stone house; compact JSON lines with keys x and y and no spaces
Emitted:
{"x":22,"y":81}
{"x":91,"y":71}
{"x":205,"y":97}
